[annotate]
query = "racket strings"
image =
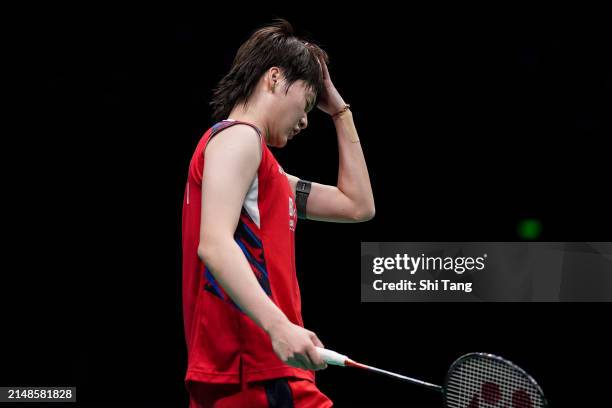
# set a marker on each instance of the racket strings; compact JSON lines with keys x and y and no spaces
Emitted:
{"x":481,"y":382}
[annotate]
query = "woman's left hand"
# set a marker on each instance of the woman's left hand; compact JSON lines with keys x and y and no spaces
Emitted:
{"x":330,"y":100}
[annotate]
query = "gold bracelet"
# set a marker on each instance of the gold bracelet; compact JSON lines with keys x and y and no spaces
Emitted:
{"x":341,"y":111}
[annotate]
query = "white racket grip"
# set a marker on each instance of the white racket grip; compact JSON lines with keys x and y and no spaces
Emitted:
{"x":331,"y":357}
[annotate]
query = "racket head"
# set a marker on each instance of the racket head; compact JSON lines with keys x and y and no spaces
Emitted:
{"x":481,"y":380}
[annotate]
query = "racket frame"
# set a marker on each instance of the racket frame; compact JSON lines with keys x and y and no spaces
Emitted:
{"x":493,"y":357}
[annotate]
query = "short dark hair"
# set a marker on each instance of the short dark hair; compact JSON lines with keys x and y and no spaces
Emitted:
{"x":273,"y":45}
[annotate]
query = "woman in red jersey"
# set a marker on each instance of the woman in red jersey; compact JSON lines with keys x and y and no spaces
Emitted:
{"x":247,"y":345}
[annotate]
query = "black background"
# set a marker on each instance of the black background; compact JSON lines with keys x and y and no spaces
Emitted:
{"x":471,"y":120}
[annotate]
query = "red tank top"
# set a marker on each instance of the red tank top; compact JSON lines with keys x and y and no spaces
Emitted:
{"x":223,"y":343}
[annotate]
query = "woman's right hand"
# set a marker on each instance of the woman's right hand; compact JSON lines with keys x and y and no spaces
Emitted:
{"x":295,"y":346}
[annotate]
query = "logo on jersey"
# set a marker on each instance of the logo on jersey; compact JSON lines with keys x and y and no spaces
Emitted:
{"x":292,"y":215}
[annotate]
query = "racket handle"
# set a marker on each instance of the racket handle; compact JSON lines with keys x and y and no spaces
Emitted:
{"x":331,"y":357}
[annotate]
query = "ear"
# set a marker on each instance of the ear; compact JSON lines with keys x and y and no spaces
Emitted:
{"x":273,"y":78}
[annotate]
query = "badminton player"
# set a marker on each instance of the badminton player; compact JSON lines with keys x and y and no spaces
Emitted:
{"x":246,"y":341}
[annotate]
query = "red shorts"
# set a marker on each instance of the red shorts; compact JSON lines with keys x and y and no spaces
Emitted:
{"x":276,"y":393}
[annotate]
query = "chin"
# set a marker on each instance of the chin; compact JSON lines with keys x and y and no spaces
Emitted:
{"x":283,"y":141}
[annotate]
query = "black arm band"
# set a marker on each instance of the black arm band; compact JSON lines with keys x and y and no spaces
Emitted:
{"x":302,"y":189}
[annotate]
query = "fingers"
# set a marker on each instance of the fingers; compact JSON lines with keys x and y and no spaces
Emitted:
{"x":324,"y":69}
{"x":297,"y":348}
{"x":316,"y":340}
{"x":313,"y":354}
{"x":307,"y":360}
{"x":317,"y":362}
{"x":301,"y":360}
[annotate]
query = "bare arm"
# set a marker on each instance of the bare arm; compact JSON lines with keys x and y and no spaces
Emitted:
{"x":231,"y":163}
{"x":351,"y":200}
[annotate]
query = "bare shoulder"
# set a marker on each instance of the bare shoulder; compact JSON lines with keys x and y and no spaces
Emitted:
{"x":237,"y":135}
{"x":239,"y":140}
